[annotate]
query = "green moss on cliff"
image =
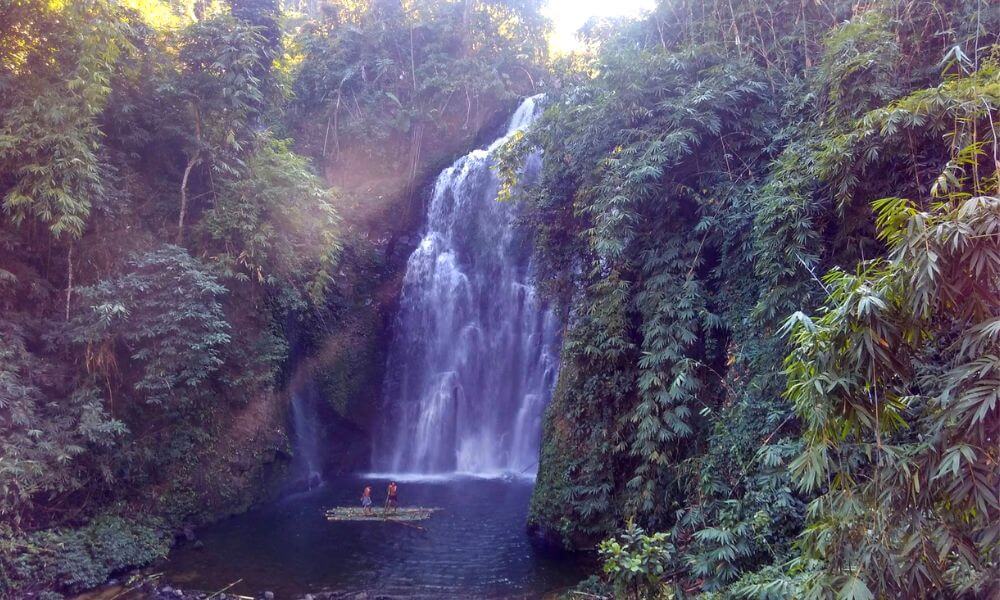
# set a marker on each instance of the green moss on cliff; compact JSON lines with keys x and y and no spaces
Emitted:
{"x":549,"y":511}
{"x":562,"y":513}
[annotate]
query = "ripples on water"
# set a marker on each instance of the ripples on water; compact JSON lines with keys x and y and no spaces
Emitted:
{"x":475,"y":548}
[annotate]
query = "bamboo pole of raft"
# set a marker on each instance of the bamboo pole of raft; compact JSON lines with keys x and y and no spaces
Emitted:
{"x":224,"y":589}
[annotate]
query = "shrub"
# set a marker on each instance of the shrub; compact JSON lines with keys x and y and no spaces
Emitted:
{"x":77,"y":559}
{"x":635,"y":562}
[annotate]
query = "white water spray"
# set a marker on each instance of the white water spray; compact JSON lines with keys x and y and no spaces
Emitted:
{"x":475,"y":352}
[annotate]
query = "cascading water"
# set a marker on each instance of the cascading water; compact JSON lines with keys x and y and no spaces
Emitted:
{"x":474,"y":355}
{"x":305,"y":429}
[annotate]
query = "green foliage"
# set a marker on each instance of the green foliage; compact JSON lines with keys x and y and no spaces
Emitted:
{"x":713,"y":162}
{"x":215,"y":95}
{"x":635,"y":561}
{"x":858,"y":65}
{"x":380,"y":82}
{"x":218,"y":77}
{"x":893,"y":380}
{"x":44,"y":428}
{"x":637,"y":195}
{"x":162,"y":314}
{"x":55,"y":80}
{"x":123,"y":357}
{"x":275,"y":225}
{"x":643,"y":288}
{"x":80,"y":559}
{"x":896,"y":381}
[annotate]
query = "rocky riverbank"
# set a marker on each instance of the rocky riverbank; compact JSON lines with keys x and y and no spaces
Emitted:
{"x":167,"y":592}
{"x":149,"y":588}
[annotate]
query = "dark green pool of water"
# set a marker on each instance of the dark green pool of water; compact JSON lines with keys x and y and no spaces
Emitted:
{"x":476,"y":547}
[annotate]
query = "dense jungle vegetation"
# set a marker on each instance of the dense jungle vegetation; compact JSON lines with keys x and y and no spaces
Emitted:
{"x":171,"y":244}
{"x":772,"y":229}
{"x":775,"y":231}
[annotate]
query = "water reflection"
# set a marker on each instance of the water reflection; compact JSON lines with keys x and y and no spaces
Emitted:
{"x":475,"y":548}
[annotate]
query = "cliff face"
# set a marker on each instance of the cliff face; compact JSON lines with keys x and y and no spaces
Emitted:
{"x":551,"y":519}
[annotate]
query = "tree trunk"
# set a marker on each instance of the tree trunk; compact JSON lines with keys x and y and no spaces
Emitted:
{"x":69,"y":278}
{"x":184,"y":181}
{"x":413,"y":66}
{"x":415,"y":143}
{"x":192,"y":161}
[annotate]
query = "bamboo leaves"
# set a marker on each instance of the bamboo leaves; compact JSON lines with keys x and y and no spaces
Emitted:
{"x":49,"y":136}
{"x":875,"y":433}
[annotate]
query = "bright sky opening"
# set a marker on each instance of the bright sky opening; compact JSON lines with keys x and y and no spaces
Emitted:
{"x":569,"y":15}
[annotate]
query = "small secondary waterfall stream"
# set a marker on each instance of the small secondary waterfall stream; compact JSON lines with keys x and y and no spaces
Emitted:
{"x":305,"y":430}
{"x":474,"y":355}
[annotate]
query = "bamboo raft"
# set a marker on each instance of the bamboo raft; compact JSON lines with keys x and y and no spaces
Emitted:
{"x":356,"y":513}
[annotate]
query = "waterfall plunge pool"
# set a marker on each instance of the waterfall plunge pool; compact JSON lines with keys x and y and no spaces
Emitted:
{"x":473,"y":363}
{"x":476,"y":547}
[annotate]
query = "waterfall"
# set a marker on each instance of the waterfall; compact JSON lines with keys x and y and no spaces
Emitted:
{"x":474,"y":353}
{"x":305,"y":431}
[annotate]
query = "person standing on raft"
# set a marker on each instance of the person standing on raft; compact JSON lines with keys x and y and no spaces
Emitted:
{"x":392,"y":499}
{"x":366,"y":500}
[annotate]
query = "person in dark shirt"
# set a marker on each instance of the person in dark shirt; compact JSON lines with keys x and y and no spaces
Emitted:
{"x":392,"y":501}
